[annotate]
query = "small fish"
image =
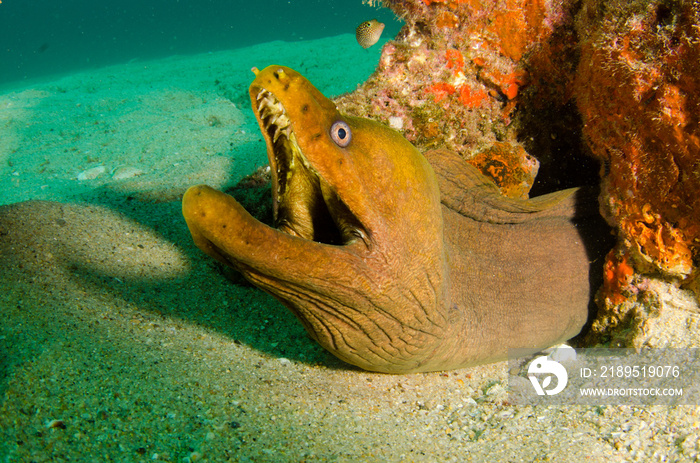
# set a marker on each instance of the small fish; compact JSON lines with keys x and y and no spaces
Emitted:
{"x":368,"y":33}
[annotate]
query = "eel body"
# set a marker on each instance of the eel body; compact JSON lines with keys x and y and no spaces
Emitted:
{"x":393,"y":260}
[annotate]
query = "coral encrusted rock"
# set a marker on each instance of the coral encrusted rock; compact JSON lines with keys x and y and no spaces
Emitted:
{"x":638,"y":91}
{"x":459,"y":74}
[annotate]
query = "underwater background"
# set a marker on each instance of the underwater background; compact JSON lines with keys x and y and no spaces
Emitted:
{"x":121,"y":341}
{"x":84,"y":124}
{"x":43,"y":37}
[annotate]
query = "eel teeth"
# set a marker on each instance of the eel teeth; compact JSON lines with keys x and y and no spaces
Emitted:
{"x":272,"y":113}
{"x":282,"y":121}
{"x":265,"y":104}
{"x":279,"y":131}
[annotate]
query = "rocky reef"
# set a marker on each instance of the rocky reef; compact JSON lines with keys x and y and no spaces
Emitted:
{"x":591,"y":91}
{"x":469,"y":74}
{"x":638,"y":90}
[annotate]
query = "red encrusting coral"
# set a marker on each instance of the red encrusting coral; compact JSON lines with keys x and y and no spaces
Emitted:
{"x":509,"y":84}
{"x":509,"y":166}
{"x":441,"y":90}
{"x":617,"y":276}
{"x":638,"y":89}
{"x":470,"y":98}
{"x":455,"y":61}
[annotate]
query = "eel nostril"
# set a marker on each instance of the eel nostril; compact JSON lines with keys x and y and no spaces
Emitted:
{"x":280,"y":74}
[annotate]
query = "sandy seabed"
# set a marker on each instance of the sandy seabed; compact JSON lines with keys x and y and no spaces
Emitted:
{"x":120,"y":341}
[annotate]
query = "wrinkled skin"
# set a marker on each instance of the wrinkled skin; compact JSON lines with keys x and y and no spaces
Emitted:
{"x":390,"y":266}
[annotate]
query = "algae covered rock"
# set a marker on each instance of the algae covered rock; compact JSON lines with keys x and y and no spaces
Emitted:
{"x":470,"y":75}
{"x":638,"y":91}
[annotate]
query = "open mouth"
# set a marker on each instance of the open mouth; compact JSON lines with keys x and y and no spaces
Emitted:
{"x":304,"y":204}
{"x":280,"y":137}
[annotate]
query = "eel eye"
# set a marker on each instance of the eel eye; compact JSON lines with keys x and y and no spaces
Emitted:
{"x":340,"y":133}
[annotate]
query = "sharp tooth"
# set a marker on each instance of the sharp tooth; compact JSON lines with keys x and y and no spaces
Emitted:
{"x":261,"y":93}
{"x":282,"y":121}
{"x":261,"y":104}
{"x":278,"y":132}
{"x":264,"y":101}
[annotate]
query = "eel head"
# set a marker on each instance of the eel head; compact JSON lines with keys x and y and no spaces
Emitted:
{"x":357,"y":249}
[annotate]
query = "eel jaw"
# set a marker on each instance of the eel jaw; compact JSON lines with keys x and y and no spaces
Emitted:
{"x":304,"y":203}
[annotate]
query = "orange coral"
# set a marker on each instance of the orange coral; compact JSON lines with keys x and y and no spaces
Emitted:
{"x":658,"y":241}
{"x":446,"y":19}
{"x":508,"y":84}
{"x":441,"y":90}
{"x":469,"y":98}
{"x":638,"y":90}
{"x":509,"y":166}
{"x":617,"y":276}
{"x":517,"y":27}
{"x":511,"y":83}
{"x":455,"y":60}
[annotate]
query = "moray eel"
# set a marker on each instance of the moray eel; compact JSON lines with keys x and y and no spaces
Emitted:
{"x":394,"y":261}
